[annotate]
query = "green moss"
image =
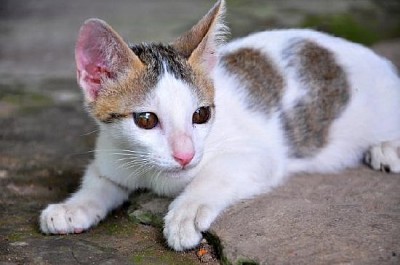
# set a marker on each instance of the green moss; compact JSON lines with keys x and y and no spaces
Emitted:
{"x":16,"y":236}
{"x":158,"y":257}
{"x":117,"y":224}
{"x":146,"y":217}
{"x":112,"y":228}
{"x":216,"y":243}
{"x":17,"y":95}
{"x":246,"y":262}
{"x":342,"y":25}
{"x":115,"y":227}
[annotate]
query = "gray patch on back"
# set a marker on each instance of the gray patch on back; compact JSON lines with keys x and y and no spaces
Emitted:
{"x":307,"y":125}
{"x":259,"y":76}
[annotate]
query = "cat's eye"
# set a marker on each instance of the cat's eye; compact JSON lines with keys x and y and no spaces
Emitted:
{"x":145,"y":120}
{"x":201,"y":115}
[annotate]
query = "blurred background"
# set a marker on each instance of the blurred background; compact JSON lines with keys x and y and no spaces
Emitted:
{"x":37,"y":36}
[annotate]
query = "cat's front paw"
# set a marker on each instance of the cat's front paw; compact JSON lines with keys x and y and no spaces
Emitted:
{"x":67,"y":218}
{"x":384,"y":157}
{"x":185,"y":221}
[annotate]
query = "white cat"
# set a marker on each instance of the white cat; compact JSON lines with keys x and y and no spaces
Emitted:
{"x":214,"y":123}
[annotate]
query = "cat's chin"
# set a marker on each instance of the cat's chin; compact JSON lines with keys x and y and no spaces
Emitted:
{"x":178,"y":172}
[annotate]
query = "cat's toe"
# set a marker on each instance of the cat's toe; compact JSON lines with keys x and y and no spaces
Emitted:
{"x":384,"y":157}
{"x":64,"y":219}
{"x":53,"y":221}
{"x":204,"y":217}
{"x":180,"y":230}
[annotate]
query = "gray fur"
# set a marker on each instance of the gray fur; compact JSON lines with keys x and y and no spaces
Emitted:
{"x":159,"y":58}
{"x":328,"y":92}
{"x":257,"y":73}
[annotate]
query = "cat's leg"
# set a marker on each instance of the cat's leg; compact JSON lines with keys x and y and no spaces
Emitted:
{"x":384,"y":156}
{"x":222,"y":183}
{"x":85,"y":208}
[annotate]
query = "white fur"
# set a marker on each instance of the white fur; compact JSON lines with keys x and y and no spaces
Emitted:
{"x":240,"y":154}
{"x":385,"y":156}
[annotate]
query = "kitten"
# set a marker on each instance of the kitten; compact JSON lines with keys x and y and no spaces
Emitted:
{"x":215,"y":123}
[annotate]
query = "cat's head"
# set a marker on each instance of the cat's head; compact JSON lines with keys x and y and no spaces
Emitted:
{"x":155,"y":100}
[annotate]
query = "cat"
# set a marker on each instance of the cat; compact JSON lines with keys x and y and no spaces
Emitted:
{"x":212,"y":123}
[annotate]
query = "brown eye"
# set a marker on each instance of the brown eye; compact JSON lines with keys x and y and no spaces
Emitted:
{"x":145,"y":120}
{"x":201,"y":115}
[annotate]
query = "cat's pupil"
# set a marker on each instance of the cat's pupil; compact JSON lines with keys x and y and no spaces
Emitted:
{"x":145,"y":120}
{"x":201,"y":115}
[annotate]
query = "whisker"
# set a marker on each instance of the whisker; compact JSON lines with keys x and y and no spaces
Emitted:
{"x":130,"y":155}
{"x":141,"y":170}
{"x":133,"y":162}
{"x":132,"y":158}
{"x":91,"y":132}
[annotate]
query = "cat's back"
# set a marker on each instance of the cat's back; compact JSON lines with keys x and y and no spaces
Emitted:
{"x":318,"y":89}
{"x":276,"y":45}
{"x":281,"y":66}
{"x":274,"y":42}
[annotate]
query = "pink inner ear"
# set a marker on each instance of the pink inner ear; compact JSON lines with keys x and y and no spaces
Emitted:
{"x":93,"y":65}
{"x":90,"y":76}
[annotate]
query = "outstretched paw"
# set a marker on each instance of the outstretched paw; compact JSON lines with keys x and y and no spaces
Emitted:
{"x":185,"y":221}
{"x":384,"y":157}
{"x":67,"y":218}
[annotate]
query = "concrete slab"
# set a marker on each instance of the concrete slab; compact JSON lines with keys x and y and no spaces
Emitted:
{"x":349,"y":218}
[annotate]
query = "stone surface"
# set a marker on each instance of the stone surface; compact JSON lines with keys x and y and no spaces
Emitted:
{"x":148,"y":209}
{"x":46,"y":139}
{"x":349,"y":218}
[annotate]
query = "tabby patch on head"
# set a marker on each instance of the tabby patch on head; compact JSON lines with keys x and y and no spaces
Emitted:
{"x":259,"y":76}
{"x":161,"y":58}
{"x":133,"y":90}
{"x":328,"y":92}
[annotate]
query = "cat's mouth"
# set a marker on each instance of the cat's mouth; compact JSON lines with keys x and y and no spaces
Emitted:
{"x":178,"y":174}
{"x":178,"y":171}
{"x":168,"y":167}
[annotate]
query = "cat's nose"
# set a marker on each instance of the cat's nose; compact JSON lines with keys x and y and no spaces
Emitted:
{"x":183,"y":158}
{"x":182,"y":148}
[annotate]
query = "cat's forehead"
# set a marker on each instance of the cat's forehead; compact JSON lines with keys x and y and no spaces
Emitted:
{"x":161,"y":59}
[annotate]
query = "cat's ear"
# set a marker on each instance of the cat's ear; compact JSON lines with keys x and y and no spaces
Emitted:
{"x":200,"y":43}
{"x":101,"y":57}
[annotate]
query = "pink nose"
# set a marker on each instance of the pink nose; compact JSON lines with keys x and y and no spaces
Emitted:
{"x":184,"y":158}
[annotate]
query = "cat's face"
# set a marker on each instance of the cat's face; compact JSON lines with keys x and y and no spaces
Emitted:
{"x":156,"y":102}
{"x":168,"y":129}
{"x":167,"y":125}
